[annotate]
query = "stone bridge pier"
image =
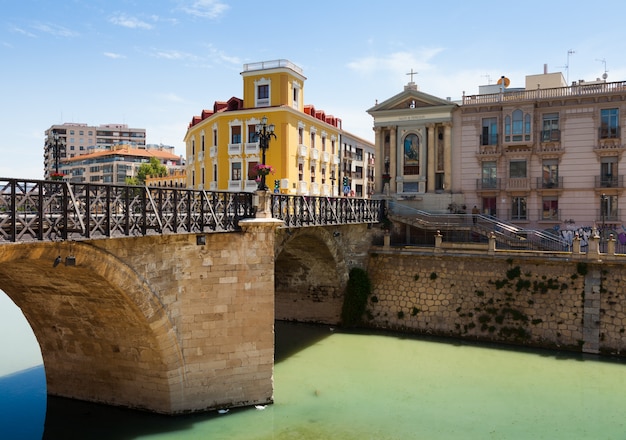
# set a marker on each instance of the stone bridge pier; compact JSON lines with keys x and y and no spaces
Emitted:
{"x":168,"y":323}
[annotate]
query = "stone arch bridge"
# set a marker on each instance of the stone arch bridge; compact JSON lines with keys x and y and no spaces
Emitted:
{"x":172,"y":322}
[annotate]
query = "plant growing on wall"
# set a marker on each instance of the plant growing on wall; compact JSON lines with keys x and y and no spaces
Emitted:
{"x":358,"y":290}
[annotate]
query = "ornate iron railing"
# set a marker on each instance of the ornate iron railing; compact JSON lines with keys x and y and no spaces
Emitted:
{"x":300,"y":211}
{"x":55,"y":210}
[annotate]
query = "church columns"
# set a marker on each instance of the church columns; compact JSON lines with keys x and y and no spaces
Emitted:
{"x":431,"y":159}
{"x":447,"y":156}
{"x":394,"y":158}
{"x":379,"y":141}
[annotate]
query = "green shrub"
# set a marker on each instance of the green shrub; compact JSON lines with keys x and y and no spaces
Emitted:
{"x":355,"y":300}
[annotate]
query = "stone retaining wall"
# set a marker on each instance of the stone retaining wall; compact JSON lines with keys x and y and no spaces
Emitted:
{"x":522,"y":299}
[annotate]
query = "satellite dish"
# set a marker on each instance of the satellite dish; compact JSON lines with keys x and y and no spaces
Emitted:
{"x":504,"y":80}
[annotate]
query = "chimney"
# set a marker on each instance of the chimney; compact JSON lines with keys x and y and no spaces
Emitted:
{"x":545,"y":69}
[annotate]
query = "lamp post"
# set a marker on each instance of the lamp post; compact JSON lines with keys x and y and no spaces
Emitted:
{"x":57,"y":147}
{"x":264,"y":132}
{"x":332,"y":179}
{"x":603,"y":208}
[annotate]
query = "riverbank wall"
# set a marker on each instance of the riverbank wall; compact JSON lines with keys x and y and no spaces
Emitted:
{"x":558,"y":300}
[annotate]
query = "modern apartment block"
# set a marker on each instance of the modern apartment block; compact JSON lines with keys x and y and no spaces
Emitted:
{"x":545,"y":156}
{"x":357,"y":167}
{"x":223,"y":148}
{"x":65,"y":141}
{"x":116,"y":164}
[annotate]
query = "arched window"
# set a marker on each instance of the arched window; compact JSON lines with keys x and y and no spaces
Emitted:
{"x":517,"y":127}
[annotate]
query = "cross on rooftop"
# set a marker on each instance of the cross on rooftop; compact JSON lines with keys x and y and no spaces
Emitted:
{"x":412,"y":73}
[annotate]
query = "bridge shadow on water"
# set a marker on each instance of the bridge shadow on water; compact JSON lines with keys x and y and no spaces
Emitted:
{"x":70,"y":419}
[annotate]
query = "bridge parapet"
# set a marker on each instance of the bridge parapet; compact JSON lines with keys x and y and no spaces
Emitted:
{"x":55,"y":210}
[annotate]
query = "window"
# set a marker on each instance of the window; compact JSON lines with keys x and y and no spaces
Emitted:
{"x":263,"y":95}
{"x":235,"y":171}
{"x":296,"y":94}
{"x":608,"y":172}
{"x":332,"y":147}
{"x":517,"y":169}
{"x":550,"y":208}
{"x":489,"y":134}
{"x":202,"y":174}
{"x":608,"y":208}
{"x":609,"y":123}
{"x":300,"y":136}
{"x":214,"y":137}
{"x":517,"y":127}
{"x":550,"y":130}
{"x":518,"y":208}
{"x":300,"y":172}
{"x":252,"y":134}
{"x":252,"y":172}
{"x":489,"y":180}
{"x":313,"y":140}
{"x":312,"y":173}
{"x":550,"y":173}
{"x":323,"y":143}
{"x":193,"y":147}
{"x":215,"y":172}
{"x":235,"y":137}
{"x":202,"y":146}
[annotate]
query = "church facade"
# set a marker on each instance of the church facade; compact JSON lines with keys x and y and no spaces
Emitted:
{"x":413,"y":143}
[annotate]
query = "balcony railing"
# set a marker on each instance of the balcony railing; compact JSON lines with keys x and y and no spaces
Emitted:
{"x":610,"y":216}
{"x":549,"y":215}
{"x":609,"y":181}
{"x":609,"y":133}
{"x":518,"y":184}
{"x":488,"y":184}
{"x":490,"y":139}
{"x":549,"y":182}
{"x":550,"y":135}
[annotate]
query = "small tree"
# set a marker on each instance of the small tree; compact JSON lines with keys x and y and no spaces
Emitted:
{"x":152,"y":168}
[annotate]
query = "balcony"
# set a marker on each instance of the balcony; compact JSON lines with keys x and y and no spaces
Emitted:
{"x":235,"y":185}
{"x":610,"y":216}
{"x":303,"y":187}
{"x":488,"y":184}
{"x":252,"y":185}
{"x":549,"y":183}
{"x":609,"y":181}
{"x":609,"y":142}
{"x":315,"y":154}
{"x":488,"y":152}
{"x":549,"y":215}
{"x":518,"y":184}
{"x":302,"y":150}
{"x":234,"y":149}
{"x":325,"y":157}
{"x":252,"y":148}
{"x":315,"y":189}
{"x":213,"y":151}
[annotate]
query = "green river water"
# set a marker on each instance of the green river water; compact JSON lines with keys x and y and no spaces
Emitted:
{"x":338,"y":385}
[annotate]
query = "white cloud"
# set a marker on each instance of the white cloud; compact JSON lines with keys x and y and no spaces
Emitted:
{"x":397,"y":62}
{"x":205,"y":8}
{"x":113,"y":55}
{"x":174,"y":55}
{"x":53,"y":29}
{"x":130,"y":22}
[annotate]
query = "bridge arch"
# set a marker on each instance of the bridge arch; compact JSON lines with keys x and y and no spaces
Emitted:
{"x":104,"y":334}
{"x":311,"y":272}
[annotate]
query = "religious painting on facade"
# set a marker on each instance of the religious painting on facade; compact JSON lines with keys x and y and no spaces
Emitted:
{"x":411,"y":154}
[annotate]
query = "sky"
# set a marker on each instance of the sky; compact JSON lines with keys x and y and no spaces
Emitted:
{"x":156,"y":64}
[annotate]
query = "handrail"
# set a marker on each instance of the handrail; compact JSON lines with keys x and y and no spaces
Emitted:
{"x":506,"y":232}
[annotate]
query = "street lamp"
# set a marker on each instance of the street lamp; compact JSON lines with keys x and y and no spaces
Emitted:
{"x":603,"y":209}
{"x":332,"y":179}
{"x":264,"y":132}
{"x":57,"y":147}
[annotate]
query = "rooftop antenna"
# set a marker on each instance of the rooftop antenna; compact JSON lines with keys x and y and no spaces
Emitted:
{"x":569,"y":52}
{"x":486,"y":75}
{"x":605,"y":75}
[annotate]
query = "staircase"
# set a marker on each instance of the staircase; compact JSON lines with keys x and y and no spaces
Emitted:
{"x":508,"y":235}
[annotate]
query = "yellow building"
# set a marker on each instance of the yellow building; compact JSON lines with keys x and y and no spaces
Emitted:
{"x":222,"y":144}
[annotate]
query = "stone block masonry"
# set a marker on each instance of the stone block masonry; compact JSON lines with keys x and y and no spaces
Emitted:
{"x":551,"y":302}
